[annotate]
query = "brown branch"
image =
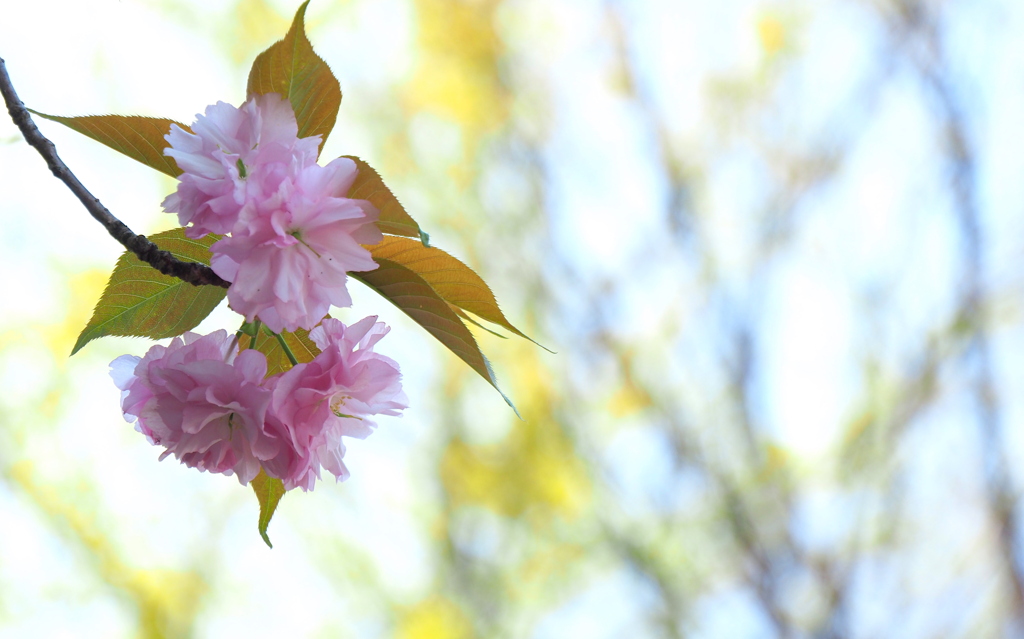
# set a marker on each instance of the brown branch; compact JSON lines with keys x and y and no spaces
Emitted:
{"x":194,"y":273}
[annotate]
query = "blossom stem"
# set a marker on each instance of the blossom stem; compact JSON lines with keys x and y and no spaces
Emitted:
{"x":287,"y":351}
{"x":255,"y":332}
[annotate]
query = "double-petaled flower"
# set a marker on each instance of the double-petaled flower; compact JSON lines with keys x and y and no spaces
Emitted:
{"x":291,"y":232}
{"x":214,"y":409}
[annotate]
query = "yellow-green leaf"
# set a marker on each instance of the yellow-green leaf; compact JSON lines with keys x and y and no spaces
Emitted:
{"x":292,"y":69}
{"x":415,"y":297}
{"x":394,"y":219}
{"x":455,"y":282}
{"x":140,"y":301}
{"x":269,"y":491}
{"x":277,"y":361}
{"x":138,"y":137}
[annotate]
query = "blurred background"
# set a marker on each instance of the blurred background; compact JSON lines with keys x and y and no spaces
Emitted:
{"x":777,"y":247}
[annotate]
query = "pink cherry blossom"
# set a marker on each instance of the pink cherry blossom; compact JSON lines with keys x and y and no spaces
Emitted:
{"x":317,"y":403}
{"x":233,"y":156}
{"x":288,"y":255}
{"x":200,"y":400}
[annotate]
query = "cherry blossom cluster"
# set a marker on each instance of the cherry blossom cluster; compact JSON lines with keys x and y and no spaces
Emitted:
{"x":214,"y":409}
{"x":289,"y":237}
{"x":291,"y":233}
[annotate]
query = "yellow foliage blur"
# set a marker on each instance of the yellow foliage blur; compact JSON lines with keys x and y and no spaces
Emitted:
{"x":255,"y":23}
{"x":84,"y":289}
{"x":534,"y":469}
{"x":167,"y":600}
{"x":434,"y":618}
{"x":771,"y":33}
{"x":456,"y":78}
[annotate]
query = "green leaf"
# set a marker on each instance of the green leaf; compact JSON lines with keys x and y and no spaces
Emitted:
{"x":394,"y":220}
{"x":292,"y":69}
{"x":137,"y":137}
{"x":454,"y":282}
{"x":415,"y":297}
{"x":140,"y":301}
{"x":269,"y":491}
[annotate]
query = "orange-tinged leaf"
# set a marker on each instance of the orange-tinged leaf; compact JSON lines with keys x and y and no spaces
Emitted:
{"x":269,"y":491}
{"x":455,"y":282}
{"x":465,"y":317}
{"x":138,"y":137}
{"x":394,"y":219}
{"x":415,"y":297}
{"x":292,"y":69}
{"x":140,"y":301}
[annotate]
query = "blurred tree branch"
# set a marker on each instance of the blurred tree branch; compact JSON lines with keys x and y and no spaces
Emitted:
{"x":920,"y":20}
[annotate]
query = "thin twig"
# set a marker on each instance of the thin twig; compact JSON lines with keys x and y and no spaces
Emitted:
{"x":192,"y":272}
